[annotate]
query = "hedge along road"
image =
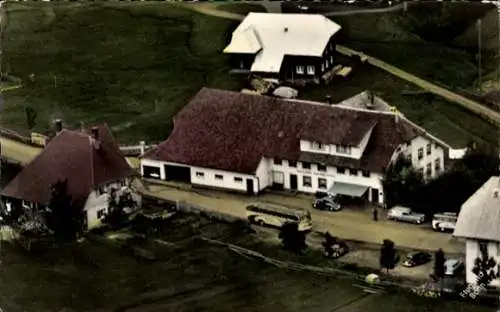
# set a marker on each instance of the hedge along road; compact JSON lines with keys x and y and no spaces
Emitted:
{"x":473,"y":106}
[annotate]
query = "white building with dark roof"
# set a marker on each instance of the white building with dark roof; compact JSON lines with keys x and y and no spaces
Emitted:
{"x":479,"y":224}
{"x":284,"y":46}
{"x":247,"y":143}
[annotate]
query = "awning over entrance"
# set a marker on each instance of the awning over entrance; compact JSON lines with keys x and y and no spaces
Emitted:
{"x":348,"y":189}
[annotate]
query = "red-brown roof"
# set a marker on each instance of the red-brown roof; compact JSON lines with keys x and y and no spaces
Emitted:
{"x":233,"y":131}
{"x":70,"y":155}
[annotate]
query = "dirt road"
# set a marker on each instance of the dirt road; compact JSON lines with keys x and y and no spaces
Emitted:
{"x":347,"y":224}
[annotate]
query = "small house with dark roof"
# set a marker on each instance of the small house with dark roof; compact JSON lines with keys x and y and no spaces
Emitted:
{"x":478,"y":224}
{"x":284,"y":46}
{"x":91,"y":164}
{"x":247,"y":143}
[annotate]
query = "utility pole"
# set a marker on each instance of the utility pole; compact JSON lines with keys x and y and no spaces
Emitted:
{"x":479,"y":53}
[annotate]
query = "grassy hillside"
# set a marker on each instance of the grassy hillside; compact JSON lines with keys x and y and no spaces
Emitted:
{"x":426,"y":40}
{"x":132,"y":65}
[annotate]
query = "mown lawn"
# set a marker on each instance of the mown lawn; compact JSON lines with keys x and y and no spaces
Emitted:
{"x":132,"y":65}
{"x":426,"y":40}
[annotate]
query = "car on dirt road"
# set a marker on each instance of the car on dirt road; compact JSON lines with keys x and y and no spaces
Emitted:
{"x":417,"y":258}
{"x":327,"y":204}
{"x":405,"y":214}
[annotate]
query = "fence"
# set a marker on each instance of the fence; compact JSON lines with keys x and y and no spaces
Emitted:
{"x":40,"y":140}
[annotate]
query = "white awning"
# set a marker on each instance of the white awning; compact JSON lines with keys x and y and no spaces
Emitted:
{"x":354,"y":190}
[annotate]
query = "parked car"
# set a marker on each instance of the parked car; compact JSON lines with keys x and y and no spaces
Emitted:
{"x":319,"y":195}
{"x":452,"y":267}
{"x":327,"y":204}
{"x":405,"y":214}
{"x":417,"y":258}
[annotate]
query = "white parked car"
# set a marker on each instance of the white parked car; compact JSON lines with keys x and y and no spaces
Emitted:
{"x":404,"y":214}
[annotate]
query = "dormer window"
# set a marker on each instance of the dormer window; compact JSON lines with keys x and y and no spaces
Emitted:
{"x":317,"y":145}
{"x":342,"y":149}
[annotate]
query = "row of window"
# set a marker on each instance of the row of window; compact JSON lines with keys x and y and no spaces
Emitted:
{"x":218,"y":177}
{"x":341,"y":149}
{"x":311,"y":69}
{"x":307,"y":182}
{"x":322,"y":168}
{"x":428,"y":168}
{"x":428,"y":151}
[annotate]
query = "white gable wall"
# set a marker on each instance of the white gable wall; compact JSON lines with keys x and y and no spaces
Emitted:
{"x":472,"y":252}
{"x":436,"y":155}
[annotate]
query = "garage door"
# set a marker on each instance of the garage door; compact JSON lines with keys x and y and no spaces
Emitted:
{"x":151,"y":172}
{"x":278,"y":177}
{"x":178,"y":173}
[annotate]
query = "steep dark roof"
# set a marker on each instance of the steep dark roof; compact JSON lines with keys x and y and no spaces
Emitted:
{"x":233,"y":131}
{"x":70,"y":155}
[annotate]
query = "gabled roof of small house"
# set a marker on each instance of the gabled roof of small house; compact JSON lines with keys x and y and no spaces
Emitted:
{"x":479,"y":216}
{"x":274,"y":35}
{"x":86,"y":163}
{"x":232,"y":131}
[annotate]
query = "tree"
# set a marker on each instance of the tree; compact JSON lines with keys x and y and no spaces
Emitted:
{"x":439,"y":260}
{"x":387,"y":255}
{"x":484,"y":267}
{"x":31,"y":116}
{"x":292,"y":239}
{"x":402,"y":184}
{"x":63,"y":218}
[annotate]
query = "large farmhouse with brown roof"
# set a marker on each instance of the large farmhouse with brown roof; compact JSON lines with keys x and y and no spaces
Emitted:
{"x":247,"y":143}
{"x":286,"y":46}
{"x":90,"y":162}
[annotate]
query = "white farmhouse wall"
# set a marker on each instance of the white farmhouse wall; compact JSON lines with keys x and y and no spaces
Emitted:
{"x":154,"y":163}
{"x":437,"y":153}
{"x":230,"y":180}
{"x":472,"y":252}
{"x":99,"y":201}
{"x":374,"y":181}
{"x":262,"y":173}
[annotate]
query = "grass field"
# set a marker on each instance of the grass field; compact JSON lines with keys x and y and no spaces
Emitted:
{"x":193,"y":276}
{"x":425,"y":40}
{"x":132,"y":65}
{"x":446,"y":120}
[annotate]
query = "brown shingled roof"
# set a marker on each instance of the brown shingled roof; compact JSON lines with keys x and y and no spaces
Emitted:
{"x":70,"y":155}
{"x":233,"y":131}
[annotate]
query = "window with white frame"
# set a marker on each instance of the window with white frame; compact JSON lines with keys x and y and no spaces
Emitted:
{"x":420,"y":153}
{"x":317,"y":145}
{"x":306,"y":181}
{"x":321,"y":167}
{"x":365,"y":173}
{"x":353,"y":172}
{"x":299,"y":69}
{"x":292,"y":164}
{"x":306,"y":165}
{"x":421,"y":171}
{"x":238,"y":179}
{"x":322,"y":183}
{"x":437,"y":164}
{"x":429,"y":149}
{"x":428,"y":169}
{"x":341,"y":170}
{"x":310,"y":70}
{"x":219,"y":177}
{"x":343,"y":149}
{"x":277,"y":161}
{"x":200,"y":174}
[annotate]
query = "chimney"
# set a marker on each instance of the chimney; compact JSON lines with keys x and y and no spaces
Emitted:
{"x":285,"y":29}
{"x":95,"y":133}
{"x":328,"y":99}
{"x":495,"y":194}
{"x":57,"y":125}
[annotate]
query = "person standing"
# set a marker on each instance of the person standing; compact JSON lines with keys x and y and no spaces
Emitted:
{"x":375,"y":214}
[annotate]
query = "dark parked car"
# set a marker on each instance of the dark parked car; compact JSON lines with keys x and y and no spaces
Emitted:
{"x":417,"y":258}
{"x":326,"y":203}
